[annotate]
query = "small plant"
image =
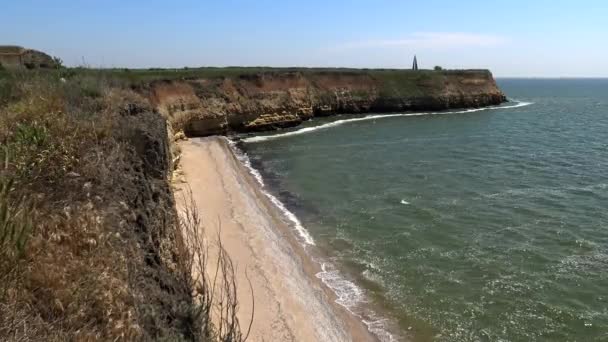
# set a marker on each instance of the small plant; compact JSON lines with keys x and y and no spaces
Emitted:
{"x":31,"y":135}
{"x":15,"y":222}
{"x":215,"y":292}
{"x":58,"y":62}
{"x":90,"y":87}
{"x":16,"y":219}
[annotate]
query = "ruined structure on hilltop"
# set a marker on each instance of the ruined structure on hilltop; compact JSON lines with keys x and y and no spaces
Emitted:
{"x":19,"y":57}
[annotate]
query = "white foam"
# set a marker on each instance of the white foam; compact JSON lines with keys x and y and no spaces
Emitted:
{"x":405,"y":202}
{"x":348,"y":294}
{"x":255,"y":139}
{"x":244,"y":159}
{"x":304,"y":234}
{"x":297,"y":225}
{"x":517,"y":105}
{"x":315,"y":128}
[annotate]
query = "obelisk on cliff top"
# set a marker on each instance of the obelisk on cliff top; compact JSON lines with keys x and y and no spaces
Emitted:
{"x":415,"y":64}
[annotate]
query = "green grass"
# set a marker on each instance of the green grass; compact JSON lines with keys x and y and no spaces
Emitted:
{"x":397,"y":81}
{"x":142,"y":76}
{"x":16,"y":221}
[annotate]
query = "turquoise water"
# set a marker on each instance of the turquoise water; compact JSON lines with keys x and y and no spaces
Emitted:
{"x":481,"y":226}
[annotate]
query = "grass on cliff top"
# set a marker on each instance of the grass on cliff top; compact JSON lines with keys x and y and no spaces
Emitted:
{"x":139,"y":77}
{"x":67,"y":252}
{"x":395,"y":82}
{"x":86,"y":255}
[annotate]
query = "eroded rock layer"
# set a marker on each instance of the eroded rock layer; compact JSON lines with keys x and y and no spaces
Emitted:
{"x":271,"y":100}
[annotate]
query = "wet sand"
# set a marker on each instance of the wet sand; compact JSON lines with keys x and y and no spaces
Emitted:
{"x":291,"y":304}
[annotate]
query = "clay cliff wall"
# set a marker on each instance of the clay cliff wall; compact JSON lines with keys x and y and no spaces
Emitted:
{"x":276,"y":99}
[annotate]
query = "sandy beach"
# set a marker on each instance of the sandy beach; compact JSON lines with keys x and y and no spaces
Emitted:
{"x":291,"y":304}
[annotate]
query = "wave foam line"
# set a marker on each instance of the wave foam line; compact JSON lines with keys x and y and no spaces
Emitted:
{"x":244,"y":159}
{"x":350,"y":296}
{"x":372,"y":117}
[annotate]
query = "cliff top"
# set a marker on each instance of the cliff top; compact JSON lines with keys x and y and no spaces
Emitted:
{"x":237,"y":71}
{"x":403,"y":80}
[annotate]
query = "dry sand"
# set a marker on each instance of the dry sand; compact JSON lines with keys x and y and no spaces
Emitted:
{"x":291,"y":304}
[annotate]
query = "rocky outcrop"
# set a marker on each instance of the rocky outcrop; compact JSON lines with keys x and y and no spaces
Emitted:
{"x":276,"y":99}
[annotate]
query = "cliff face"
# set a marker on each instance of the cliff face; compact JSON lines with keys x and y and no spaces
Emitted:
{"x":271,"y":100}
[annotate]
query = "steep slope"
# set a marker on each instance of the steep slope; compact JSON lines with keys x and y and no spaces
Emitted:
{"x":275,"y":99}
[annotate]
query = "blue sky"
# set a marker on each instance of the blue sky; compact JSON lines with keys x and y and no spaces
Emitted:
{"x":512,"y":38}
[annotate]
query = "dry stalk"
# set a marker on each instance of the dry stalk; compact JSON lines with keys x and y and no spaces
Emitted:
{"x":215,"y":294}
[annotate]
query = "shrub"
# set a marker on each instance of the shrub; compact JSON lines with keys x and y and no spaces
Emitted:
{"x":58,"y":63}
{"x":437,"y":68}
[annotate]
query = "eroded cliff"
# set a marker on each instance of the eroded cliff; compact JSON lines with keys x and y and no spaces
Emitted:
{"x":275,"y":99}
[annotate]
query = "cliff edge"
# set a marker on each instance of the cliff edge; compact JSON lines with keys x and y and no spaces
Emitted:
{"x":284,"y":98}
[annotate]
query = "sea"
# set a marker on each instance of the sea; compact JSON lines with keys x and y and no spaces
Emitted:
{"x":464,"y":225}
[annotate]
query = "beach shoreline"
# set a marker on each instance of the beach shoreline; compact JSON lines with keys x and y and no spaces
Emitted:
{"x":290,"y":303}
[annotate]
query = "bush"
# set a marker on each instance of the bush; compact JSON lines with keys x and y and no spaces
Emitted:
{"x":58,"y":63}
{"x":437,"y":68}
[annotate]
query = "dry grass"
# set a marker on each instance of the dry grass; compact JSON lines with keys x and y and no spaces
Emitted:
{"x":70,"y":280}
{"x":215,"y":292}
{"x":90,"y":242}
{"x":16,"y":221}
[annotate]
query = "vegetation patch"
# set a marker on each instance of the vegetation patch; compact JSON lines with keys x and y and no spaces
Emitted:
{"x":91,"y":247}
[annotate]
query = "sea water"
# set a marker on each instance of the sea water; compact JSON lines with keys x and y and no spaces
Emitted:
{"x":466,"y":225}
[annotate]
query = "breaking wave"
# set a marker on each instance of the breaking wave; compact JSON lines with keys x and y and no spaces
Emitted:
{"x":349,"y":295}
{"x":261,"y":138}
{"x":297,"y":225}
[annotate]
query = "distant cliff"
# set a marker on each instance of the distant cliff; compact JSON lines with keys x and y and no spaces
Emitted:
{"x":284,"y":98}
